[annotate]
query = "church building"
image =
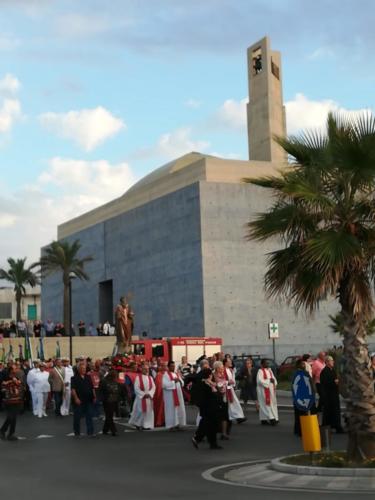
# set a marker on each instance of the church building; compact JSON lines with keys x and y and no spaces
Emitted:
{"x":176,"y":242}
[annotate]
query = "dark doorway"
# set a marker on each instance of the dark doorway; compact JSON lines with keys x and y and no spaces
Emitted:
{"x":106,"y":301}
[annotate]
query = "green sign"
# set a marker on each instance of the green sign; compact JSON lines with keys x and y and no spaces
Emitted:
{"x":273,"y":330}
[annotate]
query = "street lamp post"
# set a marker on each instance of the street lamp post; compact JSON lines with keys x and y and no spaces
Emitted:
{"x":70,"y":322}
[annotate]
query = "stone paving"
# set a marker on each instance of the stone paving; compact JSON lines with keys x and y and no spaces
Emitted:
{"x":261,"y":475}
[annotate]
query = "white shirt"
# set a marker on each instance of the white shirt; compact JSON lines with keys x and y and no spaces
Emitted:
{"x":31,"y":377}
{"x":41,"y":383}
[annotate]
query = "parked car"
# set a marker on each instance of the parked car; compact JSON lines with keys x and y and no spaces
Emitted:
{"x":289,"y":364}
{"x":238,"y":362}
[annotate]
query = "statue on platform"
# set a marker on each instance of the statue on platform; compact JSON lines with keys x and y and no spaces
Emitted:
{"x":124,"y":326}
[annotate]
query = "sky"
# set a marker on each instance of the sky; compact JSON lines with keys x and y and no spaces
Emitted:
{"x":96,"y":94}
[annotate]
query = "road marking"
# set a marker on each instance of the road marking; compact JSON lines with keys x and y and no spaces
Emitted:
{"x":44,"y":436}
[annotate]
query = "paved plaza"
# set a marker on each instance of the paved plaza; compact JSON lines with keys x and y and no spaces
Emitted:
{"x":143,"y":465}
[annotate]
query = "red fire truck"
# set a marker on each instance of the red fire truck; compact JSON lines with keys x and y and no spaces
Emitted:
{"x":175,"y":347}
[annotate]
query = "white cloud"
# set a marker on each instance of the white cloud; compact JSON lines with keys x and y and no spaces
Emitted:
{"x":9,"y":84}
{"x":87,"y":127}
{"x":232,"y":114}
{"x":10,"y":107}
{"x":173,"y":144}
{"x":92,"y":182}
{"x":10,"y":112}
{"x":178,"y":143}
{"x":7,"y":220}
{"x":322,"y":53}
{"x":66,"y":189}
{"x":303,"y":113}
{"x":81,"y":25}
{"x":193,"y":103}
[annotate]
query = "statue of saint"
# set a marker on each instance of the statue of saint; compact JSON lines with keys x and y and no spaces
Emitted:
{"x":124,"y":320}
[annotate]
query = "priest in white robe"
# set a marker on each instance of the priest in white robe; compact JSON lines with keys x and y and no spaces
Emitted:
{"x":142,"y":416}
{"x":266,"y":391}
{"x":30,"y":382}
{"x":235,"y":411}
{"x":65,"y":407}
{"x":174,"y":405}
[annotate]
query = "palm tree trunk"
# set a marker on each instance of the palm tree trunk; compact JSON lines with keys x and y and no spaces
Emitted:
{"x":359,"y":390}
{"x":18,"y":306}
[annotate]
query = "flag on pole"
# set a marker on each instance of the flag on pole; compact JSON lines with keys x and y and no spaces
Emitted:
{"x":2,"y":356}
{"x":27,"y":348}
{"x":58,"y":350}
{"x":10,"y":355}
{"x":114,"y":351}
{"x":41,"y":349}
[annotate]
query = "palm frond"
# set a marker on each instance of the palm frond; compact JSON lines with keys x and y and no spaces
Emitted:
{"x":287,"y":220}
{"x":62,"y":256}
{"x":306,"y":150}
{"x":271,"y":182}
{"x":331,"y":250}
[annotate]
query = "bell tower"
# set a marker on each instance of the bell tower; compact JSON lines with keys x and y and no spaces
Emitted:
{"x":265,"y":109}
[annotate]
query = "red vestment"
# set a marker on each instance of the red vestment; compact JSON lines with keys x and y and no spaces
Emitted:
{"x":159,"y":401}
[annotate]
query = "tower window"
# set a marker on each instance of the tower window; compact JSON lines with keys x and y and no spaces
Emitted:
{"x":275,"y":69}
{"x":257,"y":61}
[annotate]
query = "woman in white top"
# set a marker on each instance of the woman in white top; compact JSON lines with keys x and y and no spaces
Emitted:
{"x":42,"y":389}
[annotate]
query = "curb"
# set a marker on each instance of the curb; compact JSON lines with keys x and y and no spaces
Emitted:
{"x":307,"y":470}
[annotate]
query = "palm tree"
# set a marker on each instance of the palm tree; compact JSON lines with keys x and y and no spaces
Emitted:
{"x":323,"y":214}
{"x":62,"y":256}
{"x":20,"y":276}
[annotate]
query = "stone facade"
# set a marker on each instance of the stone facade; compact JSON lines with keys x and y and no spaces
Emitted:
{"x":184,"y":258}
{"x":152,"y":252}
{"x":235,"y":307}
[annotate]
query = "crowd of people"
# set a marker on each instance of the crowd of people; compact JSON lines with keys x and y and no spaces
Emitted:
{"x":324,"y":376}
{"x":154,"y":393}
{"x":14,"y":329}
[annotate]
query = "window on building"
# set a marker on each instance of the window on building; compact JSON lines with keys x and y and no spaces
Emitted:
{"x":139,"y":349}
{"x":5,"y":310}
{"x":157,"y":350}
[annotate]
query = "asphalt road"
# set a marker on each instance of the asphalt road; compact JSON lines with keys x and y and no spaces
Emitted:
{"x":137,"y":465}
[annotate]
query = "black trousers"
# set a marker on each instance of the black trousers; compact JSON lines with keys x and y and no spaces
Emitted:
{"x":208,"y":426}
{"x":332,"y":413}
{"x":11,"y":419}
{"x":109,"y":411}
{"x":58,"y":397}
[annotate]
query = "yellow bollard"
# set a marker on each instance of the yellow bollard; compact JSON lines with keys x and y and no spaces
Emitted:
{"x":310,"y":433}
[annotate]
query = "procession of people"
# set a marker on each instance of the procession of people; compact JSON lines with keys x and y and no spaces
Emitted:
{"x":155,"y":394}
